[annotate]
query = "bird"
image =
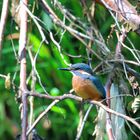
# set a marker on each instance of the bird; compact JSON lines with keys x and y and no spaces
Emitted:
{"x":86,"y":84}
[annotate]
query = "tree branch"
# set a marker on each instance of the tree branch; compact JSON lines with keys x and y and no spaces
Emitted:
{"x":83,"y":123}
{"x":124,"y":9}
{"x":3,"y":20}
{"x":77,"y":98}
{"x":41,"y":116}
{"x":22,"y":57}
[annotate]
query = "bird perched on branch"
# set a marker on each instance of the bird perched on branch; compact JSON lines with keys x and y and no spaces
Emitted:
{"x":84,"y":83}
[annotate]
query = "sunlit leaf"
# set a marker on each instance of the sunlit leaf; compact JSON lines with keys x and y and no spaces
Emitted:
{"x":7,"y":81}
{"x":58,"y":110}
{"x":136,"y":104}
{"x":54,"y":91}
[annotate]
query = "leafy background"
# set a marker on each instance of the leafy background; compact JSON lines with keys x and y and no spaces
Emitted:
{"x":61,"y":122}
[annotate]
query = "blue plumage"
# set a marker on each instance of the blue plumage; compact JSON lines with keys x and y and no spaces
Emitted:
{"x":98,"y":85}
{"x":81,"y":66}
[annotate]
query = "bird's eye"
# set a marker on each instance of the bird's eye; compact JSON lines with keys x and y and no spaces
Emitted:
{"x":76,"y":68}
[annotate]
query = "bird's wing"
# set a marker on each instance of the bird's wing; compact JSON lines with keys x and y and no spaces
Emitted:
{"x":98,"y":85}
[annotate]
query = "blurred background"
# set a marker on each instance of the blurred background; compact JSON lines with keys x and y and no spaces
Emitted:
{"x":62,"y":120}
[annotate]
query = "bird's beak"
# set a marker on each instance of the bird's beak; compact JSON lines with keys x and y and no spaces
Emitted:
{"x":66,"y":69}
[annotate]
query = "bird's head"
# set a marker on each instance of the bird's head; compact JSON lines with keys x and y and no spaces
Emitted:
{"x":80,"y":67}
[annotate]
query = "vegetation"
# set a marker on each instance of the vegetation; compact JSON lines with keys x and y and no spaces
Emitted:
{"x":60,"y":33}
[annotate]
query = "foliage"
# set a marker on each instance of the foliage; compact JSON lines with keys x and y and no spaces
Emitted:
{"x":62,"y":120}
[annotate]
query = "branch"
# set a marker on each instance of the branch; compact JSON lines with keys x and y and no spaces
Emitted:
{"x":124,"y":9}
{"x":22,"y":57}
{"x":71,"y":96}
{"x":119,"y":46}
{"x":59,"y":48}
{"x":79,"y":35}
{"x":83,"y":122}
{"x":38,"y":25}
{"x":31,"y":99}
{"x":3,"y":20}
{"x":108,"y":116}
{"x":108,"y":86}
{"x":41,"y":116}
{"x":56,"y":20}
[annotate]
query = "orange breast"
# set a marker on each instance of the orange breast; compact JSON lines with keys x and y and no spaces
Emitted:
{"x":85,"y":89}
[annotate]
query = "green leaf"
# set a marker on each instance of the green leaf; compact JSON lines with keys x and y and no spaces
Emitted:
{"x":71,"y":105}
{"x":54,"y":91}
{"x":136,"y":104}
{"x":58,"y":110}
{"x":44,"y":51}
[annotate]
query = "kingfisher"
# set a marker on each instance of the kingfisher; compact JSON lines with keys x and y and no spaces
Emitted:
{"x":85,"y":83}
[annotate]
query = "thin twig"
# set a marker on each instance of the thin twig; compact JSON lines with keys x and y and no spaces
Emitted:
{"x":38,"y":25}
{"x":3,"y":20}
{"x":75,"y":33}
{"x":131,"y":129}
{"x":59,"y":48}
{"x":124,"y":9}
{"x":81,"y":114}
{"x":41,"y":116}
{"x":31,"y":99}
{"x":60,"y":23}
{"x":3,"y":76}
{"x":22,"y":57}
{"x":71,"y":96}
{"x":34,"y":67}
{"x":83,"y":123}
{"x":109,"y":129}
{"x":108,"y":115}
{"x":126,"y":61}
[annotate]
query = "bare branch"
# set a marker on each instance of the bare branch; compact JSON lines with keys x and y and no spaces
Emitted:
{"x":3,"y":20}
{"x":41,"y":116}
{"x":60,"y":23}
{"x":124,"y":9}
{"x":71,"y":96}
{"x":83,"y":123}
{"x":22,"y":57}
{"x":38,"y":25}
